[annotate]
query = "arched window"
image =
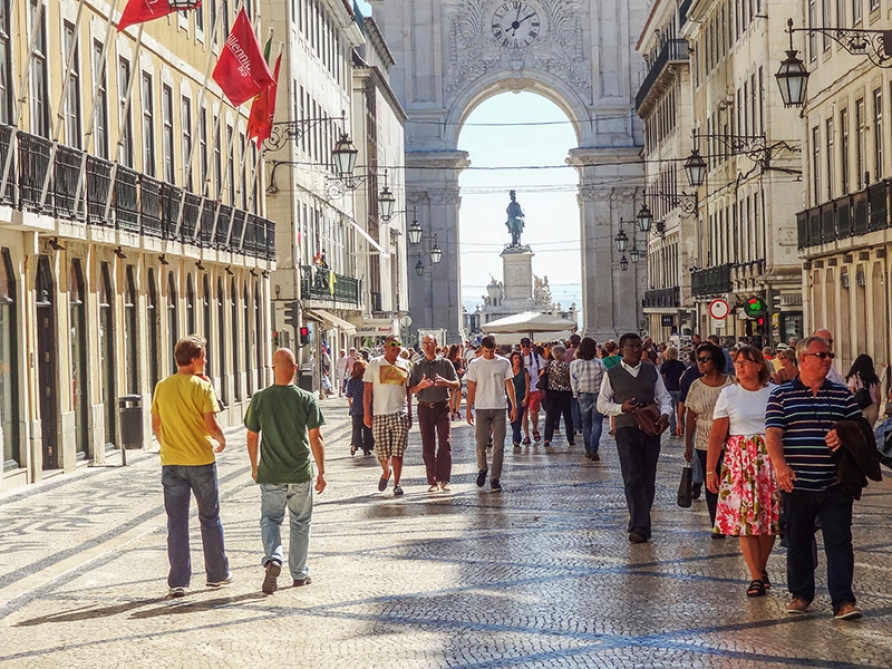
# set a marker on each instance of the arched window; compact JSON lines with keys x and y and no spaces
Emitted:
{"x":152,"y":322}
{"x":108,"y":394}
{"x":9,"y":386}
{"x":190,"y":306}
{"x":206,"y":301}
{"x":131,"y":369}
{"x":236,"y":333}
{"x":221,"y":334}
{"x":172,"y":330}
{"x":79,"y":362}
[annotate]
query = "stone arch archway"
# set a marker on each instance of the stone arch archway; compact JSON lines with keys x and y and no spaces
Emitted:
{"x":450,"y":56}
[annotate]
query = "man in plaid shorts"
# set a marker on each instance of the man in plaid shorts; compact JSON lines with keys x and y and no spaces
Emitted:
{"x":387,"y":403}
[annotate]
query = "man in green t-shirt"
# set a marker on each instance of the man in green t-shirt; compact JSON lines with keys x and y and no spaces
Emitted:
{"x":290,"y":421}
{"x":184,"y":421}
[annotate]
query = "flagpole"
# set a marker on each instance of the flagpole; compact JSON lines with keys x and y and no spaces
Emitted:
{"x":17,"y":112}
{"x":134,"y":70}
{"x":89,"y":132}
{"x":60,"y":115}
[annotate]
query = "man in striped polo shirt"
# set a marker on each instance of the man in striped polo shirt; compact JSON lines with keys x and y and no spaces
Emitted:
{"x":801,"y":444}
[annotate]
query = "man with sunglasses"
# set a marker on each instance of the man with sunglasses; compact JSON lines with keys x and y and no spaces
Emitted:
{"x":387,"y":403}
{"x":802,"y":444}
{"x":832,"y":375}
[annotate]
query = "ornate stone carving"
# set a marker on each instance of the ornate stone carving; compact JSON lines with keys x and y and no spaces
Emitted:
{"x":443,"y":197}
{"x":559,"y":49}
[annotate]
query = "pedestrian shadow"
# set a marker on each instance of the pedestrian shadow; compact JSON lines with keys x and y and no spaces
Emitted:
{"x":182,"y":606}
{"x":89,"y":613}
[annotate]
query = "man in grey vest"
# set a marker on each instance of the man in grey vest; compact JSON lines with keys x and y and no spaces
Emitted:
{"x":626,"y":386}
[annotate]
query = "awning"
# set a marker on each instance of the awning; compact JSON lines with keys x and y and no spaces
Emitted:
{"x":331,"y":320}
{"x":375,"y":327}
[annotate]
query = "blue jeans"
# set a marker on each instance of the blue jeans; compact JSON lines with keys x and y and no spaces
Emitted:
{"x":180,"y":482}
{"x":834,"y":509}
{"x":576,"y":412}
{"x":516,"y":425}
{"x":298,"y":497}
{"x":592,"y":422}
{"x":673,"y":417}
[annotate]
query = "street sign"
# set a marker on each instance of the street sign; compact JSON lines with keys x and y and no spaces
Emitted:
{"x":666,"y":320}
{"x":719,"y":309}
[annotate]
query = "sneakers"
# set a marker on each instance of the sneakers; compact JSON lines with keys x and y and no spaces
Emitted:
{"x":799,"y":607}
{"x":481,"y":478}
{"x":397,"y":490}
{"x":218,"y":584}
{"x":176,"y":593}
{"x":271,"y":580}
{"x":495,"y":485}
{"x":433,"y":488}
{"x":299,"y":582}
{"x":444,"y":487}
{"x":848,"y":611}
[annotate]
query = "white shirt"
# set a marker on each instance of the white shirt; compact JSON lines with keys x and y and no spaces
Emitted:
{"x":533,"y":362}
{"x":744,"y":408}
{"x":388,"y":385}
{"x":606,"y":405}
{"x":490,"y":377}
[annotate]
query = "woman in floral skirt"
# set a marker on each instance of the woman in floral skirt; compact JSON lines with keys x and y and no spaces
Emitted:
{"x":747,"y":488}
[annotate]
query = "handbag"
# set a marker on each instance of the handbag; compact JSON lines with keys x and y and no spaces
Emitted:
{"x":684,"y":487}
{"x":647,"y":416}
{"x":542,"y":383}
{"x":863,"y":398}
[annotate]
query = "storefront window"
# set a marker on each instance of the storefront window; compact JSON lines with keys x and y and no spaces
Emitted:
{"x":9,"y":400}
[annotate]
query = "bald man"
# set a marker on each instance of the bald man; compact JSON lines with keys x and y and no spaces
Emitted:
{"x":289,"y":420}
{"x":832,"y":375}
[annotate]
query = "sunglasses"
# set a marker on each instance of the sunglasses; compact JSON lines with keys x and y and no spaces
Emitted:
{"x":704,"y":360}
{"x":394,"y":344}
{"x":823,"y":355}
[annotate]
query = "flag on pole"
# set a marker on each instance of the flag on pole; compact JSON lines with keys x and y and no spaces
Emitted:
{"x":139,"y":11}
{"x":241,"y":70}
{"x":263,"y":108}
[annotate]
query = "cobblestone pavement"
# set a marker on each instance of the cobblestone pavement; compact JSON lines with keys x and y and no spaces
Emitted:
{"x":541,"y":575}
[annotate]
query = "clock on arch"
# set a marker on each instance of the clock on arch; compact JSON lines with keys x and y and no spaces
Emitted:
{"x":516,"y":24}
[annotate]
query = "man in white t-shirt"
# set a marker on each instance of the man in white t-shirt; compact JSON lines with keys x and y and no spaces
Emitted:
{"x":489,"y":380}
{"x":387,"y":404}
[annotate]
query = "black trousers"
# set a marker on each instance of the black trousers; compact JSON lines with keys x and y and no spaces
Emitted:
{"x":559,"y":402}
{"x":638,"y":456}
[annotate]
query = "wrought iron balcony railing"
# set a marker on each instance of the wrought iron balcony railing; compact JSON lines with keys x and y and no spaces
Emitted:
{"x":847,"y":216}
{"x":662,"y":298}
{"x":322,"y":284}
{"x":139,"y":203}
{"x":711,"y":281}
{"x":674,"y":50}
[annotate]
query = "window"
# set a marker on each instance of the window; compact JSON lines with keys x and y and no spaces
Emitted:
{"x":878,"y":134}
{"x":131,"y":337}
{"x":844,"y":150}
{"x":9,"y":383}
{"x":830,"y":158}
{"x":218,"y":163}
{"x":203,"y":148}
{"x":172,"y":329}
{"x":840,"y":13}
{"x":148,"y":125}
{"x":40,"y":111}
{"x":856,"y":11}
{"x":167,"y":133}
{"x":874,"y":4}
{"x":206,"y":301}
{"x":124,"y":116}
{"x":812,"y":23}
{"x":213,"y":27}
{"x":190,"y":306}
{"x":107,"y":384}
{"x":825,"y":10}
{"x":816,"y":164}
{"x":152,"y":322}
{"x":73,"y":92}
{"x":860,"y":148}
{"x":233,"y":310}
{"x":250,"y":337}
{"x":221,"y":384}
{"x":230,"y":165}
{"x":5,"y":66}
{"x":186,"y":122}
{"x":79,"y":361}
{"x":199,"y":17}
{"x":100,"y":129}
{"x":258,"y":335}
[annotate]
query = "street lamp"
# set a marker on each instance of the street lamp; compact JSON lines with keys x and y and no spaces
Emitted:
{"x":624,"y":263}
{"x":645,"y":218}
{"x":414,"y":232}
{"x":695,"y":168}
{"x":635,"y":254}
{"x":345,"y":154}
{"x":386,"y":201}
{"x":416,"y":235}
{"x":621,"y":239}
{"x":792,"y":77}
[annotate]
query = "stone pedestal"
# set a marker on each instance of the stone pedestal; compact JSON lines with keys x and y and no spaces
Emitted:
{"x":517,"y":271}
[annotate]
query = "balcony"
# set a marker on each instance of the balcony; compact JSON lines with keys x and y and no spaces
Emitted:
{"x":323,"y":284}
{"x":661,"y":298}
{"x":673,"y":51}
{"x":846,"y":217}
{"x":81,"y":186}
{"x":711,"y":281}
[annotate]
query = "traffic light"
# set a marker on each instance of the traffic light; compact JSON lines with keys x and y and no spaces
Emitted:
{"x":754,"y":307}
{"x":291,"y":317}
{"x":304,"y":335}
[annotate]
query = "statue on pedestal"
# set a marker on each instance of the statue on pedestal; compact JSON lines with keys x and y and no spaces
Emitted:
{"x":515,"y":220}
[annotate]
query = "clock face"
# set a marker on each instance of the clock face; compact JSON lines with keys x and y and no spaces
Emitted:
{"x":516,"y":24}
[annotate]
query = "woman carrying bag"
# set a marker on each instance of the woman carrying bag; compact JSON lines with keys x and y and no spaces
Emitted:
{"x":864,"y":383}
{"x":559,"y":395}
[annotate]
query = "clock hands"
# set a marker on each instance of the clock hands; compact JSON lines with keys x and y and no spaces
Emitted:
{"x":516,"y":23}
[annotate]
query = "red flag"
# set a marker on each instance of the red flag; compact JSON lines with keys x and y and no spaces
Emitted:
{"x":138,"y":11}
{"x":241,"y":70}
{"x":260,"y":122}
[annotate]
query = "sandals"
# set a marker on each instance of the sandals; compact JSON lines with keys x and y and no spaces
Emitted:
{"x":756,"y":589}
{"x":765,"y":581}
{"x":536,"y":435}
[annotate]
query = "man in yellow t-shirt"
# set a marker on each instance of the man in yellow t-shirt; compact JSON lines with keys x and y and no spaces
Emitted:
{"x":185,"y":423}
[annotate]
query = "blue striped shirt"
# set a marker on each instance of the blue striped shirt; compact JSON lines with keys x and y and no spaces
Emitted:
{"x":806,"y":420}
{"x":586,"y":376}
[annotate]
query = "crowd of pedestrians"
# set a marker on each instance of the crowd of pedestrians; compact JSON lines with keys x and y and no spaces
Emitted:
{"x":784,"y":443}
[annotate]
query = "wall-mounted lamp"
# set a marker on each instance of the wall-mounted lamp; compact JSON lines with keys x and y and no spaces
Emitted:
{"x":163,"y":260}
{"x":120,"y":253}
{"x":199,"y":265}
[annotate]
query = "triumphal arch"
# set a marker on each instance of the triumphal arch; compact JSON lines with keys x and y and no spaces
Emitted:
{"x":451,"y":55}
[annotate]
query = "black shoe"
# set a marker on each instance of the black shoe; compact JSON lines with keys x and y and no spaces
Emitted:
{"x":271,"y":580}
{"x":397,"y":490}
{"x":298,"y":582}
{"x":495,"y":485}
{"x":595,"y":456}
{"x":696,"y":489}
{"x":635,"y":537}
{"x":481,"y":478}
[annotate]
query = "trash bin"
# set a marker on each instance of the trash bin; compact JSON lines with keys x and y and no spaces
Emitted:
{"x":305,"y":379}
{"x":131,"y":421}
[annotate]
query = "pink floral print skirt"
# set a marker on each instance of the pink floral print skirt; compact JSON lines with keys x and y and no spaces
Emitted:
{"x":749,"y":503}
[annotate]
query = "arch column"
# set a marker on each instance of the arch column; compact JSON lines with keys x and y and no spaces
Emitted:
{"x":611,"y":298}
{"x":432,"y":188}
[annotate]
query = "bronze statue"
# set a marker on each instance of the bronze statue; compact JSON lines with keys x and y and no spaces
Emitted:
{"x":515,"y":220}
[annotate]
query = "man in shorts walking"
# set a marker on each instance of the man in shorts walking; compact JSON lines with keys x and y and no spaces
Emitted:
{"x":387,"y":393}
